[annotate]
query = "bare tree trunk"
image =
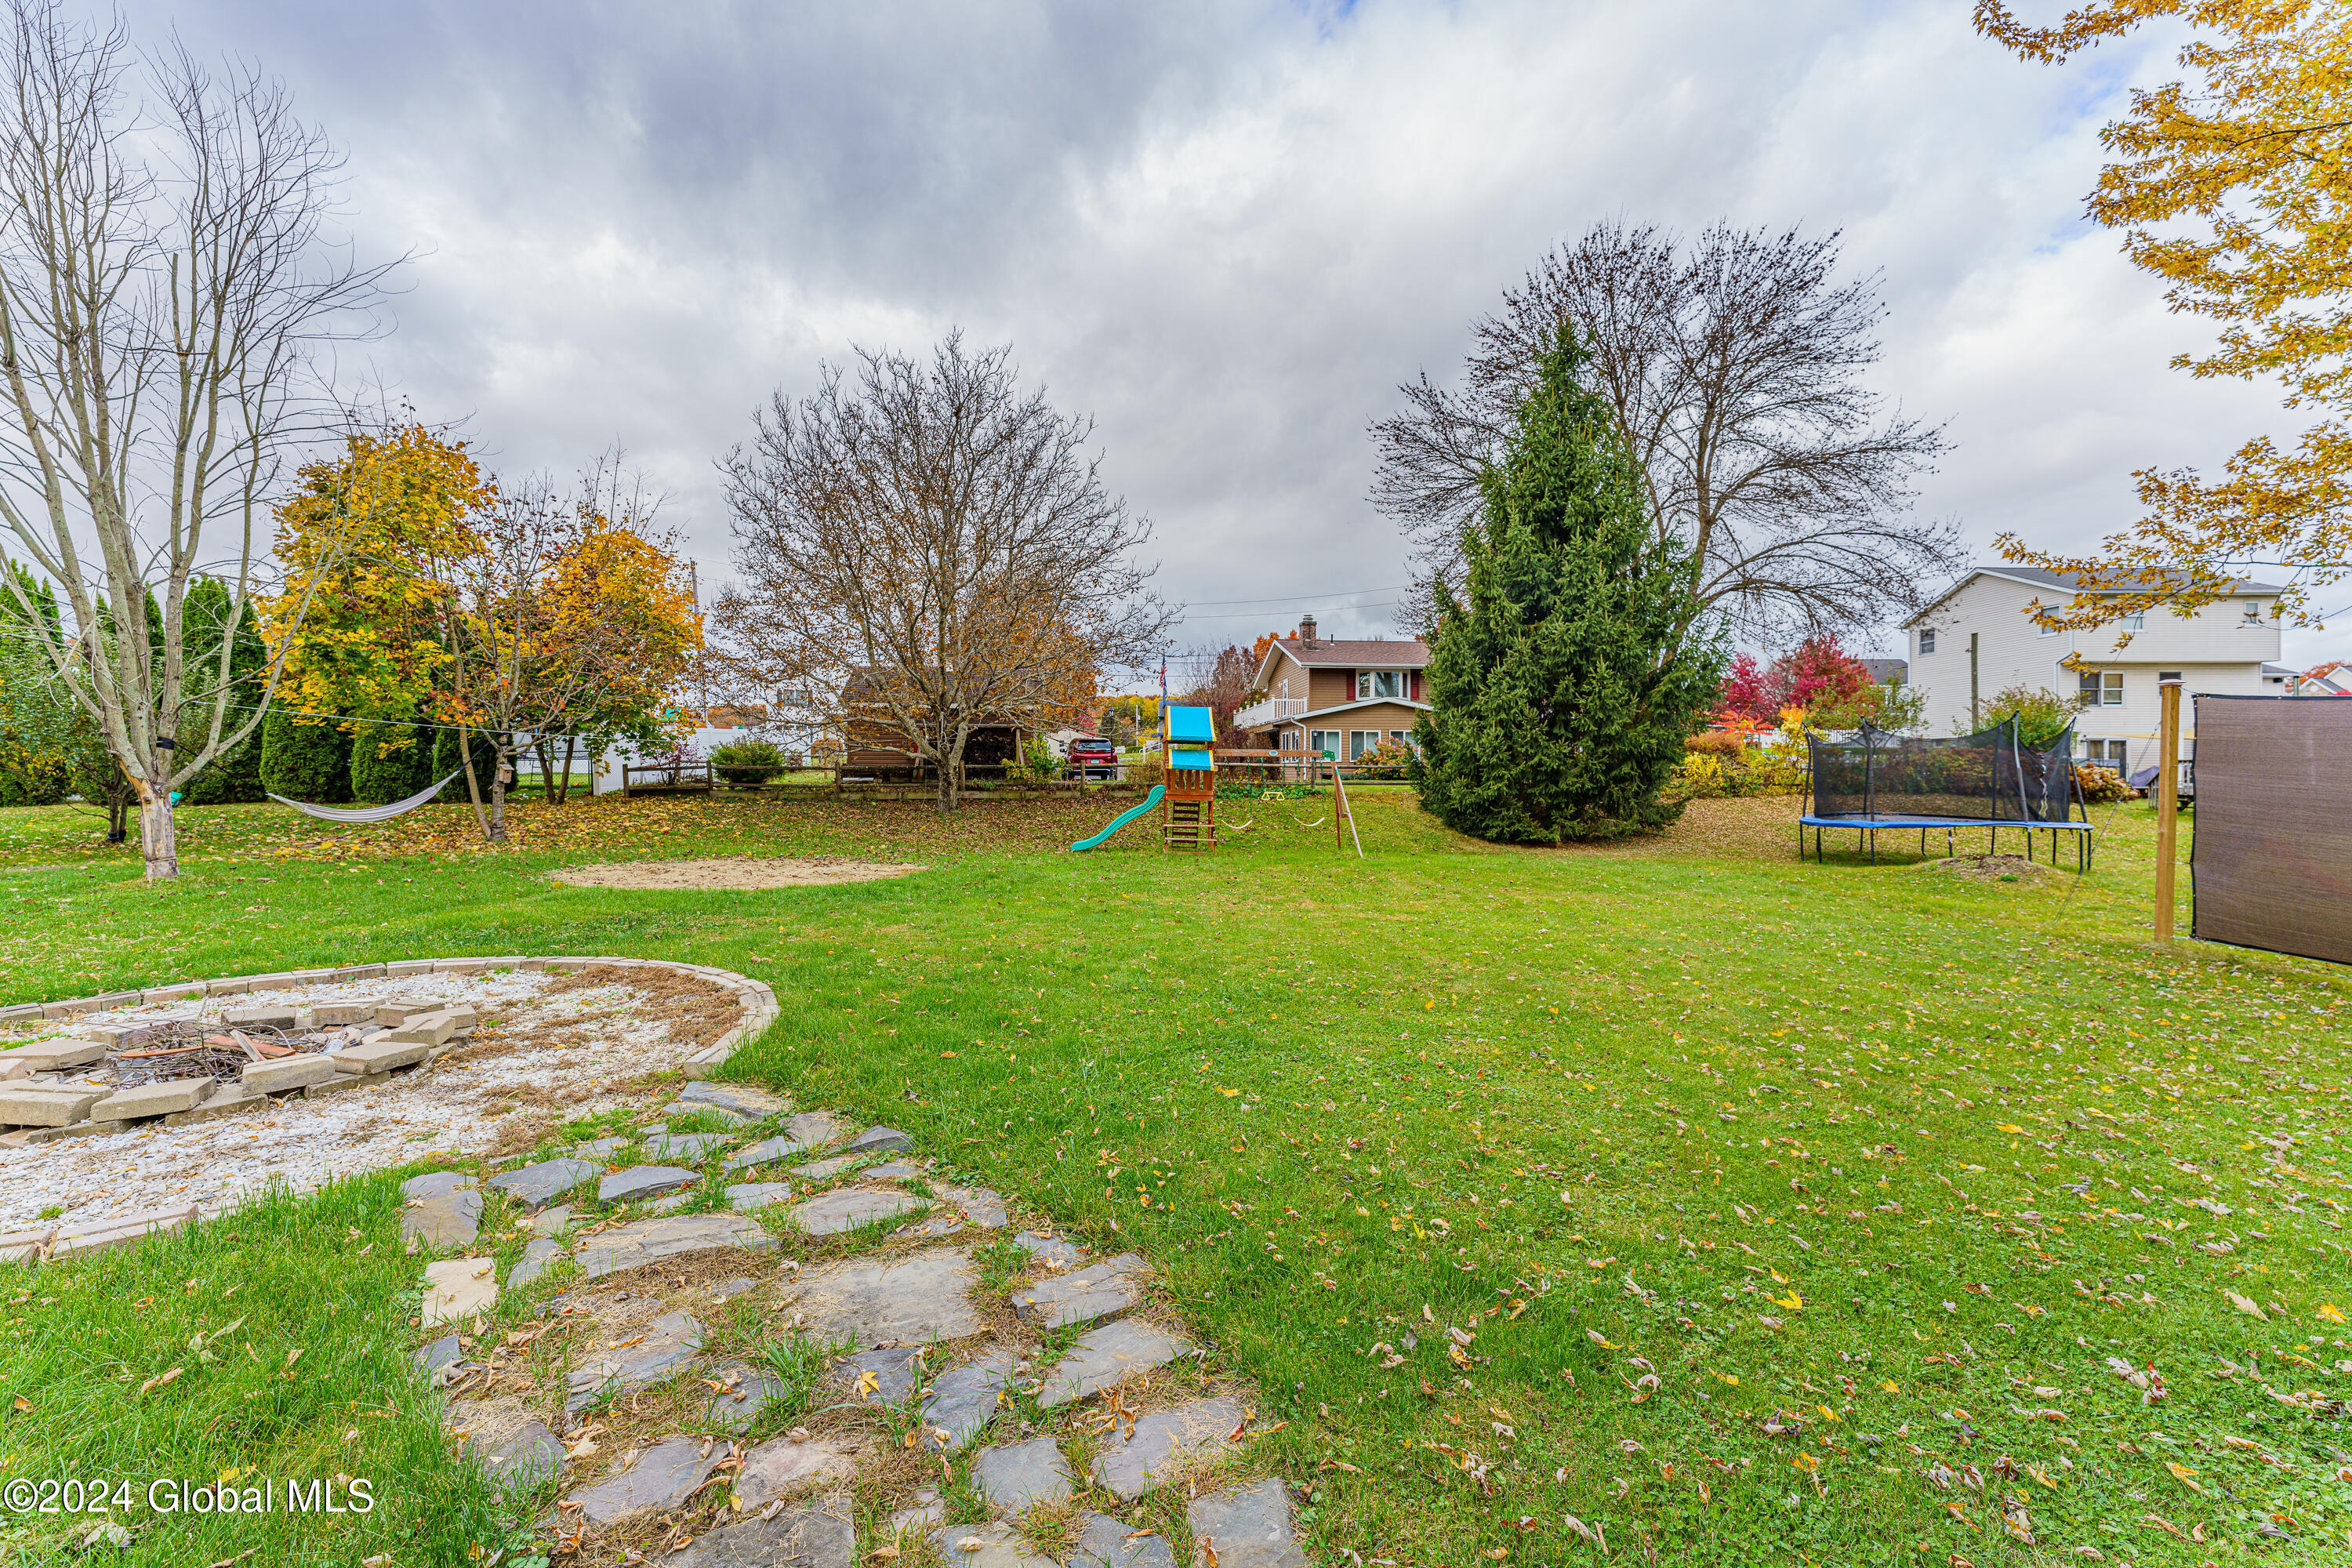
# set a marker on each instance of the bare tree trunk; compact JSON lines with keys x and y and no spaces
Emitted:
{"x":546,"y":767}
{"x":159,"y":838}
{"x":563,"y":790}
{"x":501,"y":769}
{"x":473,"y":786}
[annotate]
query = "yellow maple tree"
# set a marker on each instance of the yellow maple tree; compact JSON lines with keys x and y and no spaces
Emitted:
{"x":355,"y":539}
{"x":2234,"y":185}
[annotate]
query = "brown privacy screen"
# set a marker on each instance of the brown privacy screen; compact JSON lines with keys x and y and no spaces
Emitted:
{"x":2272,"y":858}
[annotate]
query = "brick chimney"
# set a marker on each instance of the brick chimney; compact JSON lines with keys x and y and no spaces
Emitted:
{"x":1306,"y":630}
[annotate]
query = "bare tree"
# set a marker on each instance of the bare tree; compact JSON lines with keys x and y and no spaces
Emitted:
{"x":1734,"y":369}
{"x":163,"y":279}
{"x":940,"y":541}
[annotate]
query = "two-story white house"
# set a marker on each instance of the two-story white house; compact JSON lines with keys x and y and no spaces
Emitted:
{"x":1979,"y":637}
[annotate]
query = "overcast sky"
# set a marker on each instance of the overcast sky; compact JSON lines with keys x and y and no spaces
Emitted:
{"x":1225,"y":229}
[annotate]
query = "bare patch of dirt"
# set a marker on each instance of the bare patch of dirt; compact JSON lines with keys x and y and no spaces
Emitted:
{"x":743,"y":873}
{"x":1988,"y":867}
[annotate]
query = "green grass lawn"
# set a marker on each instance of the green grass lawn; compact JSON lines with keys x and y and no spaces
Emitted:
{"x":1723,"y":1205}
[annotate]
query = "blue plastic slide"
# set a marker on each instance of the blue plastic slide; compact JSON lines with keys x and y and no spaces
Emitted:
{"x":1121,"y":820}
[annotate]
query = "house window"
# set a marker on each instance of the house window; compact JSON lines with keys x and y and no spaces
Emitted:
{"x":1927,"y":642}
{"x":2134,"y":620}
{"x":2168,"y":675}
{"x":2253,"y":612}
{"x":1362,"y":740}
{"x":2104,"y":754}
{"x":2103,"y":687}
{"x":1402,"y":737}
{"x":1324,"y":742}
{"x":1371,"y":683}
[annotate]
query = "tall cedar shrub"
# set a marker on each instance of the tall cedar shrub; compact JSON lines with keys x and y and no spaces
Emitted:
{"x":1562,"y":688}
{"x":390,"y":761}
{"x":236,"y":774}
{"x":305,"y":760}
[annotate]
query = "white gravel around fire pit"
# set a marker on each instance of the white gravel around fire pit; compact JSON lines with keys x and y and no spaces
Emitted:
{"x":457,"y":1104}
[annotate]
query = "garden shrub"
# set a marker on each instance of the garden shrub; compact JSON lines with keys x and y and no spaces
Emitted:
{"x":746,"y":764}
{"x":2101,"y":786}
{"x":1388,"y":760}
{"x":389,"y":763}
{"x":306,"y":759}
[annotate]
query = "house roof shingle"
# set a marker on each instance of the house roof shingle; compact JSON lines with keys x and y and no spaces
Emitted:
{"x":1328,"y":653}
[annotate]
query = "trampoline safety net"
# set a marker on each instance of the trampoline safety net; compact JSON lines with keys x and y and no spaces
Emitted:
{"x":2271,"y":859}
{"x":1988,"y":776}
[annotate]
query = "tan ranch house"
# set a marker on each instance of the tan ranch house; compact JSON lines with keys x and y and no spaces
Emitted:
{"x":1341,"y":699}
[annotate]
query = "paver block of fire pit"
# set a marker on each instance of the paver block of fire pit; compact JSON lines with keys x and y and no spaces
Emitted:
{"x":58,"y":1055}
{"x":46,"y":1105}
{"x":374,"y":1060}
{"x":229,"y":1099}
{"x":427,"y":1029}
{"x":393,"y":1014}
{"x":288,"y":1072}
{"x":260,"y":1019}
{"x":152,"y":1100}
{"x":340,"y":1015}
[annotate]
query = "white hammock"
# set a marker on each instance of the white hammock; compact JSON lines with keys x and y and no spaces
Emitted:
{"x":367,"y":812}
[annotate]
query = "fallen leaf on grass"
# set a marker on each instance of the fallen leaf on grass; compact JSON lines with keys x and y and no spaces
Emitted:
{"x":161,"y":1380}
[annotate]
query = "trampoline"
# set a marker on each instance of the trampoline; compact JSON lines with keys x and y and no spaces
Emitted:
{"x":1874,"y":781}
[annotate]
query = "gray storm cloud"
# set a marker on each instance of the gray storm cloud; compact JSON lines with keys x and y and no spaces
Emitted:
{"x":1226,"y":231}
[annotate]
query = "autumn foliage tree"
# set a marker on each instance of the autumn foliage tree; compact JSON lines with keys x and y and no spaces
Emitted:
{"x":2234,"y":184}
{"x":556,"y":616}
{"x":362,"y":533}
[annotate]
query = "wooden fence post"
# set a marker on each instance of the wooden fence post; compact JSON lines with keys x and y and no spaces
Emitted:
{"x":2167,"y":804}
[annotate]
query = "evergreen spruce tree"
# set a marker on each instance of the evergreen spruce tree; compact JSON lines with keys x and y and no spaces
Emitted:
{"x":1562,"y":688}
{"x":305,"y":760}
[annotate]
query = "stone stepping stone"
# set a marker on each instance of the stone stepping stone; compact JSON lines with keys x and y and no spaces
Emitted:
{"x":929,"y":1509}
{"x":980,"y":1205}
{"x":536,"y":1256}
{"x":895,"y":1374}
{"x":686,"y":1145}
{"x":748,"y":1196}
{"x":438,"y":1359}
{"x":551,"y":1222}
{"x":434,"y":1185}
{"x":910,"y":1300}
{"x":739,"y":1098}
{"x":1105,"y":1356}
{"x":664,"y":1476}
{"x":820,"y":1536}
{"x":833,"y":1213}
{"x":1018,"y":1476}
{"x":458,"y":1288}
{"x":1246,"y":1527}
{"x":1050,"y":1250}
{"x":599,"y":1149}
{"x":665,"y":1348}
{"x":782,"y":1467}
{"x":985,"y":1546}
{"x":672,"y":1236}
{"x":743,"y":1392}
{"x":672,"y":1203}
{"x":822,"y":1169}
{"x":766,"y":1151}
{"x":815,"y":1129}
{"x":964,"y":1400}
{"x":441,"y":1216}
{"x":1083,"y":1295}
{"x":533,"y":1187}
{"x":726,"y":1290}
{"x":897,"y":1170}
{"x":679,"y":1109}
{"x":1163,"y":1444}
{"x":1107,"y":1543}
{"x":514,"y":1445}
{"x":880,"y":1141}
{"x":644,"y":1181}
